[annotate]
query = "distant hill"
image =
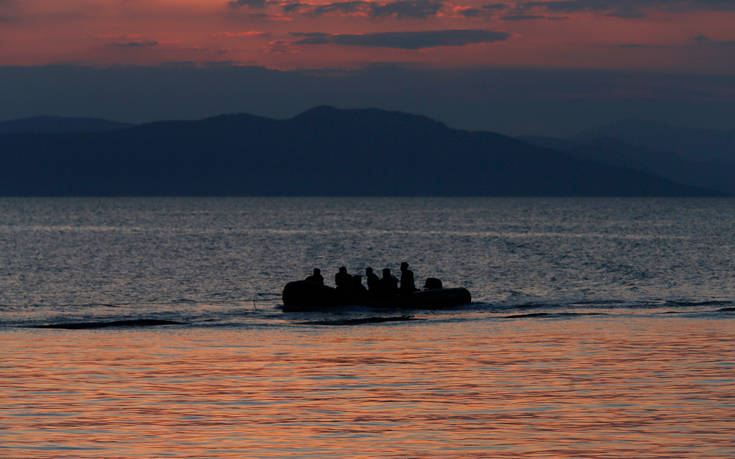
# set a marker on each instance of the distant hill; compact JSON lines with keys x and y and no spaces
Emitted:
{"x":712,"y":174}
{"x":57,"y":125}
{"x":698,"y":145}
{"x":701,"y":158}
{"x":323,"y":151}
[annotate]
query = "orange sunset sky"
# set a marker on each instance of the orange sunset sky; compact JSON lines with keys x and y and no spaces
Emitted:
{"x":520,"y":67}
{"x":661,"y":35}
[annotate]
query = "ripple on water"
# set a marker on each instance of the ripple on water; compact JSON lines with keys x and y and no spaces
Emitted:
{"x":647,"y":388}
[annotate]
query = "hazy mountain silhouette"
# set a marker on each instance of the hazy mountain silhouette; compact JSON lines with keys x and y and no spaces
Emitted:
{"x":57,"y":125}
{"x":323,"y":151}
{"x":699,"y":167}
{"x":692,"y":144}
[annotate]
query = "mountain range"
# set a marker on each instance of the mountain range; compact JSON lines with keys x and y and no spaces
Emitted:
{"x":689,"y":143}
{"x":323,"y":151}
{"x":696,"y":157}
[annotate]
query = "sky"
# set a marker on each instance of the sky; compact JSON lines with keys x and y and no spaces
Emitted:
{"x":660,"y":51}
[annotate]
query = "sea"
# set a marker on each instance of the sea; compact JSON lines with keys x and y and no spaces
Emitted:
{"x":151,"y":327}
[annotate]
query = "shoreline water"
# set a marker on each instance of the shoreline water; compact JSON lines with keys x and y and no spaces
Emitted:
{"x":593,"y":386}
{"x":600,"y":327}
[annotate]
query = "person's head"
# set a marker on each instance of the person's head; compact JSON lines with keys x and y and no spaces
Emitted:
{"x":342,"y":269}
{"x":386,"y":271}
{"x":404,"y":266}
{"x":317,"y":271}
{"x":368,"y":270}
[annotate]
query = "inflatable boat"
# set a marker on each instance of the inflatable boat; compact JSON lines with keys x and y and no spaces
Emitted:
{"x":307,"y":296}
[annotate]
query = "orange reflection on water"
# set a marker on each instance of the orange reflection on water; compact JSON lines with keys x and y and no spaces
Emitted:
{"x":597,"y":387}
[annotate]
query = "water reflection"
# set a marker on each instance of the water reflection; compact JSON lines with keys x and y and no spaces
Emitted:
{"x":588,"y":387}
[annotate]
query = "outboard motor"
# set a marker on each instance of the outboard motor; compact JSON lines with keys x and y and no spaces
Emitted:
{"x":432,"y":283}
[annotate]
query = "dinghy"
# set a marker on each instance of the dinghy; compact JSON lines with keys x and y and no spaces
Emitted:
{"x":308,"y":296}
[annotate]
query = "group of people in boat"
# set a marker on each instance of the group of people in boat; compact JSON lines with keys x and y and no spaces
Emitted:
{"x":380,"y":287}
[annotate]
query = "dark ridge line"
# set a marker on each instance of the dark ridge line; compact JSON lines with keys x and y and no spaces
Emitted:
{"x":726,"y":310}
{"x":115,"y":323}
{"x":367,"y":320}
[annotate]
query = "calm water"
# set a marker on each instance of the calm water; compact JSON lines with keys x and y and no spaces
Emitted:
{"x":600,"y":327}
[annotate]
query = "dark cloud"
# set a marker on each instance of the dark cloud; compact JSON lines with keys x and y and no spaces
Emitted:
{"x":471,"y":12}
{"x":521,"y":17}
{"x":693,"y":43}
{"x":402,"y":9}
{"x":292,"y":7}
{"x":695,"y":5}
{"x":707,"y":41}
{"x":248,"y":3}
{"x":280,"y":47}
{"x":485,"y":10}
{"x":626,"y":8}
{"x":340,"y":7}
{"x":134,"y":44}
{"x":415,"y":9}
{"x":618,"y":8}
{"x":404,"y":40}
{"x":314,"y":38}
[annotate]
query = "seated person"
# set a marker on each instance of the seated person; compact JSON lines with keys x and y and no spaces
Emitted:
{"x":315,"y":278}
{"x":357,"y":287}
{"x":343,"y":280}
{"x":407,"y":284}
{"x":388,"y":284}
{"x":373,"y":281}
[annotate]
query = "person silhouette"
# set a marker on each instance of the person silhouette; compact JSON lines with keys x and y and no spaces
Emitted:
{"x":316,"y":277}
{"x":407,"y":283}
{"x":373,"y":281}
{"x":357,"y":288}
{"x":388,"y":283}
{"x":342,"y":279}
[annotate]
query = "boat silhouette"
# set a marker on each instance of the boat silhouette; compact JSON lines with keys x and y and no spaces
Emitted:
{"x":309,"y":296}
